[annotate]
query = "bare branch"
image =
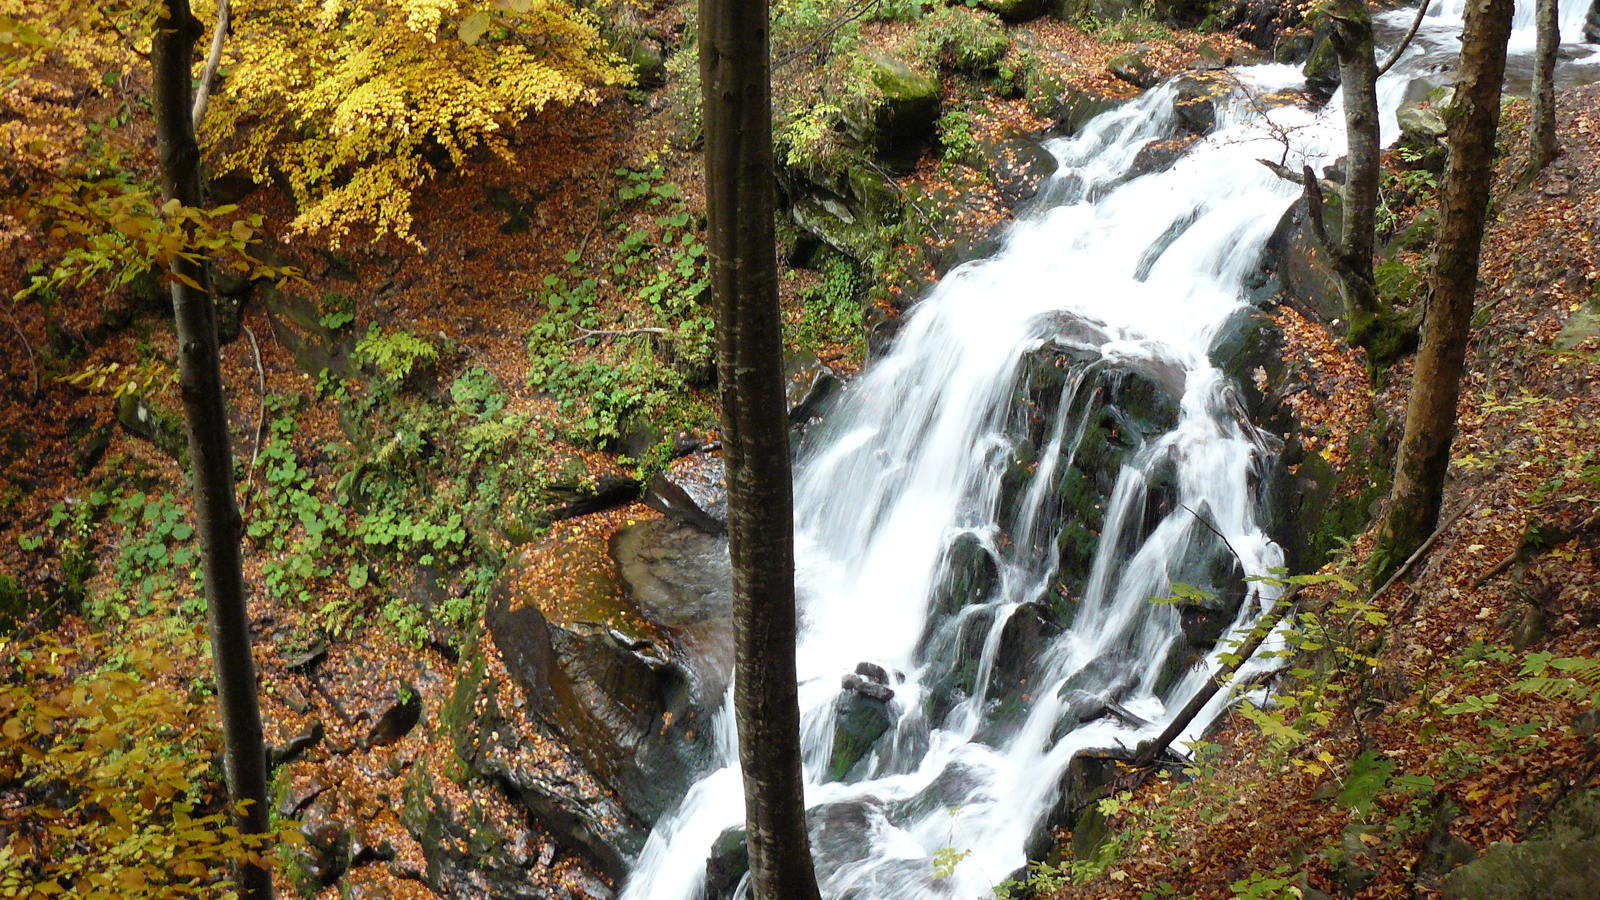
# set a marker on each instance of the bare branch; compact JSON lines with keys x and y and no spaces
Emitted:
{"x":586,"y":333}
{"x":208,"y":76}
{"x":1416,"y":23}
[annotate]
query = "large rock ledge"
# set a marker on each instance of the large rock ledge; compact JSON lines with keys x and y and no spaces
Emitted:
{"x":594,"y":714}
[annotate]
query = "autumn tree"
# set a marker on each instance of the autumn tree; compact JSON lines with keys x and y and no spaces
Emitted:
{"x":357,"y":103}
{"x":1430,"y":425}
{"x":210,"y":455}
{"x":735,"y":71}
{"x":1542,"y":129}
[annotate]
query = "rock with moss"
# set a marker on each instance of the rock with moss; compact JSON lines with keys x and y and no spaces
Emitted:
{"x":863,"y":713}
{"x":1016,"y":10}
{"x":896,"y":117}
{"x":1322,"y":65}
{"x":1135,"y":67}
{"x":1530,"y":870}
{"x":1052,"y":95}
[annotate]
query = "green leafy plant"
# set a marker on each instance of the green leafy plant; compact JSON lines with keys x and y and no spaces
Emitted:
{"x":394,"y":353}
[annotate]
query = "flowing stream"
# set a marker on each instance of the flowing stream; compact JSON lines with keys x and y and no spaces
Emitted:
{"x":933,"y":507}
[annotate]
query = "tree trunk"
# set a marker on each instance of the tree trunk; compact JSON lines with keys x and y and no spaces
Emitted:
{"x":1424,"y":455}
{"x":735,"y":68}
{"x":1542,"y":133}
{"x":1358,"y":73}
{"x":211,"y":459}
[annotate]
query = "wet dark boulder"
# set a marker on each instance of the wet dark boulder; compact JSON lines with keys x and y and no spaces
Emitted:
{"x":809,"y":387}
{"x":475,"y":850}
{"x":727,"y":864}
{"x":1300,"y":264}
{"x":863,"y":713}
{"x":1018,"y":164}
{"x":620,"y":688}
{"x":693,"y":490}
{"x":1322,"y":64}
{"x":970,"y":575}
{"x":1158,"y":156}
{"x":500,"y":731}
{"x":1197,"y":100}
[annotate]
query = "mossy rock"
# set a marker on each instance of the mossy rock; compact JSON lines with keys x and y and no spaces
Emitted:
{"x":899,"y":118}
{"x":1584,"y":325}
{"x":1134,"y":67}
{"x":144,"y":418}
{"x":1322,"y":65}
{"x":1531,"y":870}
{"x":1016,"y":10}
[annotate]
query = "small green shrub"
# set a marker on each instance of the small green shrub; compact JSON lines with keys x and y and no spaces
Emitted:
{"x":396,"y":354}
{"x":961,"y":40}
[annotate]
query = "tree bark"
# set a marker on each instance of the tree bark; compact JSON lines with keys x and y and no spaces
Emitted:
{"x":1542,"y":130}
{"x":1424,"y":455}
{"x":211,"y":458}
{"x":735,"y":68}
{"x":1358,"y":73}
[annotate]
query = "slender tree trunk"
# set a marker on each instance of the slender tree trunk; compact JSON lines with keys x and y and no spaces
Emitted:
{"x":1424,"y":455}
{"x":1542,"y":133}
{"x":735,"y":69}
{"x":211,"y":459}
{"x":1358,"y":73}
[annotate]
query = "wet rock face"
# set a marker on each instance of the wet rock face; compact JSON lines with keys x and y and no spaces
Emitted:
{"x":502,"y":731}
{"x":619,"y":700}
{"x":693,"y":490}
{"x":1019,"y":165}
{"x":471,"y":853}
{"x":1198,"y":100}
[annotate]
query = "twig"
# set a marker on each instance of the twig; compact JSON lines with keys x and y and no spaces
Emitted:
{"x":1412,"y":559}
{"x":1416,"y":23}
{"x":261,"y":418}
{"x":129,"y":45}
{"x":1213,"y":529}
{"x":827,"y":32}
{"x":33,"y":360}
{"x":586,"y":333}
{"x":1500,"y":567}
{"x":202,"y":93}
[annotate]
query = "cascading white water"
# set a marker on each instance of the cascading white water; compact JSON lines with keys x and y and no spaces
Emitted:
{"x":914,"y":460}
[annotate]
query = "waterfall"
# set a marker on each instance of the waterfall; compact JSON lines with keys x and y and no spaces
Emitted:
{"x":934,"y":506}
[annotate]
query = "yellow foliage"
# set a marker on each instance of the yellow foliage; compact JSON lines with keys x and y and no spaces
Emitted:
{"x":343,"y":97}
{"x":113,"y":792}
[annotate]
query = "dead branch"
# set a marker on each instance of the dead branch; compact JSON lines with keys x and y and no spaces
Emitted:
{"x":1416,"y":24}
{"x":1561,"y":536}
{"x":1219,"y":680}
{"x":261,"y":415}
{"x":790,"y":56}
{"x":208,"y":76}
{"x":33,"y":358}
{"x":586,"y":333}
